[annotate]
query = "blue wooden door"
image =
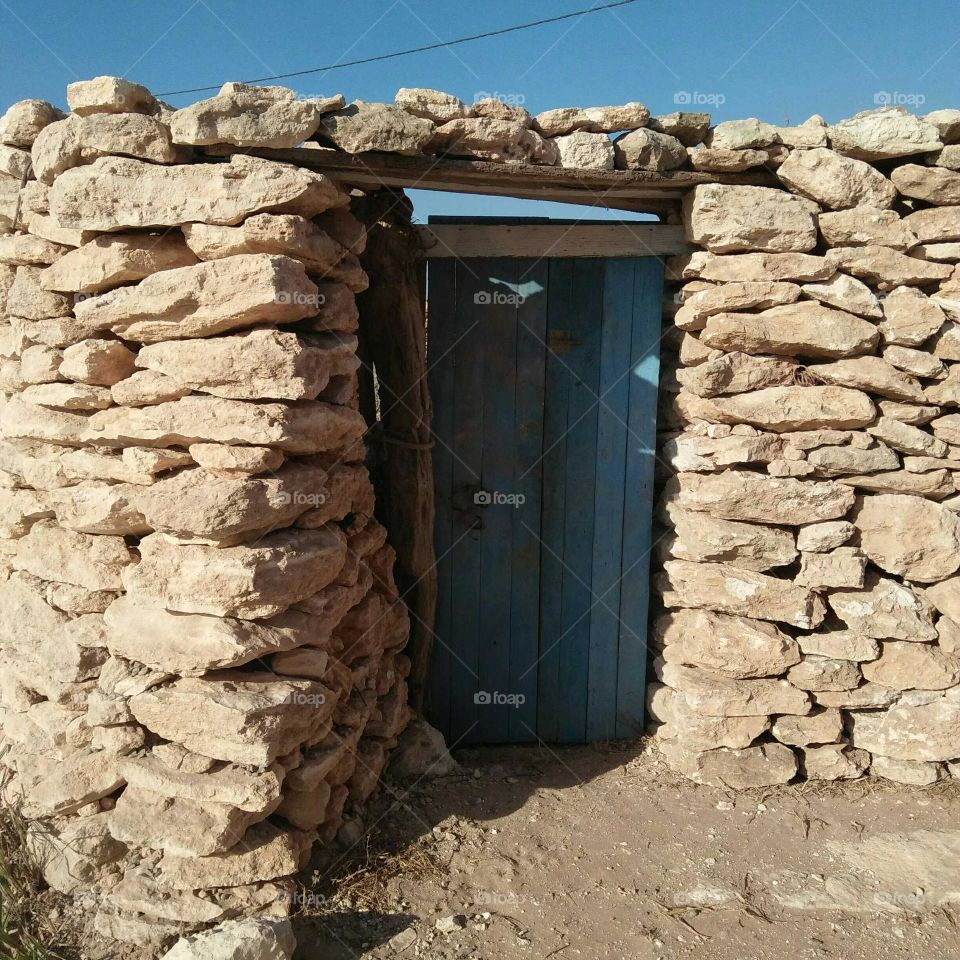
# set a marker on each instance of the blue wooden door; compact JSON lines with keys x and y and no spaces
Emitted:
{"x":543,"y":374}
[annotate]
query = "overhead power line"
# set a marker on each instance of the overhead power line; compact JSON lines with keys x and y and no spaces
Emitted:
{"x":406,"y":53}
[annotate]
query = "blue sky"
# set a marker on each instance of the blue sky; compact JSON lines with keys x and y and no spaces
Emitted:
{"x":780,"y":61}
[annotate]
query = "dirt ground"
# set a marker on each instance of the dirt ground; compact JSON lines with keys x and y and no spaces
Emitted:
{"x":595,"y":853}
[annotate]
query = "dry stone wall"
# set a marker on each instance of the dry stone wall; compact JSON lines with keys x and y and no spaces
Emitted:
{"x":201,"y":673}
{"x":809,"y":455}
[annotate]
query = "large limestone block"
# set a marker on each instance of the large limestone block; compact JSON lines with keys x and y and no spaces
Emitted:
{"x":823,"y":726}
{"x":738,"y":295}
{"x":766,"y":764}
{"x":695,"y":731}
{"x":309,"y":426}
{"x":934,"y":224}
{"x":835,"y":181}
{"x":927,"y":731}
{"x":22,"y":250}
{"x":935,"y":185}
{"x":100,"y":362}
{"x":736,"y":373}
{"x":53,"y":553}
{"x":727,"y":219}
{"x":243,"y":718}
{"x":24,"y":120}
{"x":116,"y":259}
{"x":249,"y":582}
{"x":913,"y":774}
{"x":146,"y":387}
{"x":247,"y":939}
{"x":744,"y":495}
{"x":843,"y":567}
{"x":805,"y":328}
{"x":247,"y":116}
{"x":81,"y":140}
{"x":861,"y":225}
{"x":782,"y":409}
{"x":742,"y":134}
{"x":698,"y":453}
{"x":920,"y":363}
{"x":607,"y":119}
{"x":839,"y":645}
{"x":907,"y":438}
{"x":822,"y":673}
{"x":74,"y":782}
{"x":714,"y":695}
{"x":700,"y":537}
{"x":648,"y":150}
{"x":873,"y":374}
{"x":910,"y":317}
{"x":835,"y":761}
{"x":913,"y":666}
{"x":909,"y":536}
{"x":882,"y":134}
{"x":118,"y":193}
{"x":430,"y":104}
{"x":193,"y":644}
{"x":885,"y":610}
{"x":937,"y":484}
{"x":109,"y":95}
{"x":846,"y":293}
{"x":795,"y":267}
{"x":886,"y":268}
{"x":21,"y":420}
{"x":206,"y":299}
{"x":821,"y":537}
{"x":719,"y":160}
{"x":726,"y":589}
{"x":265,"y":853}
{"x":26,"y":297}
{"x":257,"y":365}
{"x":361,"y":126}
{"x":213,"y":781}
{"x":223,"y":461}
{"x":839,"y":461}
{"x":68,"y":396}
{"x":281,"y":234}
{"x":688,"y":127}
{"x":182,"y":827}
{"x":733,"y":646}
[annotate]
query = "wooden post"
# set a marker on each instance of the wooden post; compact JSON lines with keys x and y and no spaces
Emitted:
{"x":393,"y":339}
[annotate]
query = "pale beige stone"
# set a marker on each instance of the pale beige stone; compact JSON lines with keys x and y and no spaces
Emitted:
{"x":763,"y":765}
{"x":907,"y":438}
{"x":839,"y":645}
{"x":720,"y":160}
{"x":696,"y":453}
{"x":910,"y":317}
{"x":886,"y":268}
{"x":912,"y":666}
{"x":935,"y":185}
{"x":838,"y":461}
{"x":645,"y":149}
{"x":739,"y":295}
{"x":727,"y":219}
{"x":238,"y":940}
{"x":883,"y":133}
{"x":805,"y":328}
{"x":821,"y":537}
{"x":430,"y":104}
{"x":27,"y":299}
{"x":885,"y":609}
{"x":744,"y":495}
{"x":52,"y":553}
{"x":940,"y":252}
{"x":133,"y":194}
{"x":606,"y":119}
{"x":795,"y":267}
{"x":912,"y":773}
{"x":822,"y":673}
{"x":866,"y":224}
{"x":109,"y":95}
{"x":146,"y":387}
{"x":782,"y":409}
{"x":711,"y":694}
{"x":736,"y":373}
{"x":247,"y":116}
{"x":100,"y":362}
{"x":500,"y":109}
{"x":846,"y":293}
{"x":822,"y":726}
{"x":934,"y":224}
{"x":947,"y":123}
{"x":836,"y":181}
{"x":78,"y":141}
{"x":115,"y":259}
{"x":835,"y":761}
{"x":742,"y":134}
{"x":28,"y":421}
{"x":726,"y":589}
{"x":226,"y":461}
{"x":907,"y":412}
{"x":920,"y":363}
{"x":24,"y":120}
{"x":842,"y":567}
{"x":945,"y":596}
{"x":20,"y":509}
{"x":733,"y":646}
{"x":688,"y":127}
{"x":75,"y":781}
{"x":261,"y":364}
{"x":926,"y":464}
{"x":872,"y":374}
{"x":304,"y":428}
{"x":937,"y":484}
{"x":700,"y":537}
{"x":68,"y":396}
{"x":206,"y":299}
{"x":361,"y":126}
{"x":249,"y":582}
{"x":24,"y":250}
{"x":924,"y":732}
{"x":947,"y":429}
{"x":869,"y":696}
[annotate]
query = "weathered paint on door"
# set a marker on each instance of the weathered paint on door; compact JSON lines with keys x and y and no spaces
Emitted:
{"x":543,"y":374}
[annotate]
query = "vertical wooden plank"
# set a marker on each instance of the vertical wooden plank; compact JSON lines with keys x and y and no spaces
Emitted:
{"x":497,"y":324}
{"x":441,"y":334}
{"x":617,"y":296}
{"x":552,"y":530}
{"x":528,"y":483}
{"x":464,"y":557}
{"x":638,"y":515}
{"x":580,"y":323}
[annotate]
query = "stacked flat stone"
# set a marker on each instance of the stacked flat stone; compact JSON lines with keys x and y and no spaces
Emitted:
{"x":810,"y":536}
{"x":200,"y":635}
